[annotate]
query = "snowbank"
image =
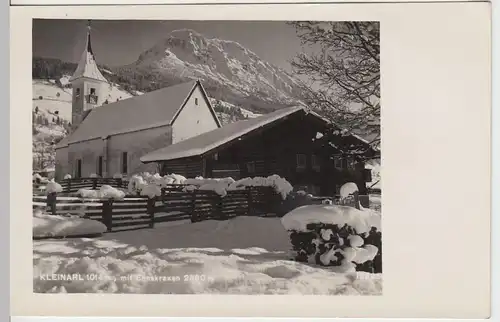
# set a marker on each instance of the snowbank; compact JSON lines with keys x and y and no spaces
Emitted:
{"x":104,"y":192}
{"x":45,"y":225}
{"x":245,"y":255}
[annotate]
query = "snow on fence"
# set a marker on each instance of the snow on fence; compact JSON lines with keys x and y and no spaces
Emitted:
{"x":173,"y":205}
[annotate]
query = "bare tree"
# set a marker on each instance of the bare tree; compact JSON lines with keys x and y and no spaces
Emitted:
{"x":344,"y":68}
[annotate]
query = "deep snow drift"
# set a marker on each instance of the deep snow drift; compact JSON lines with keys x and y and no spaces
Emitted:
{"x":244,"y":255}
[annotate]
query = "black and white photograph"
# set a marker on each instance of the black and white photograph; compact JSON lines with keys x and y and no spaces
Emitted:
{"x":206,"y":157}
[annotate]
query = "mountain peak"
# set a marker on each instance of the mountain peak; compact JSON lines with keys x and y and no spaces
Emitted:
{"x":228,"y":70}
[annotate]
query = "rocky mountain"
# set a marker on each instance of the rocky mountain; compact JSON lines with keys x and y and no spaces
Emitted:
{"x":229,"y":71}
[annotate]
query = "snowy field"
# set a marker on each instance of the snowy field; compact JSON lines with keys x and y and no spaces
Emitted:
{"x":244,"y":255}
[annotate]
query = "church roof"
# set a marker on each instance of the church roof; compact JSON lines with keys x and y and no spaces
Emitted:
{"x":87,"y":66}
{"x":149,"y":110}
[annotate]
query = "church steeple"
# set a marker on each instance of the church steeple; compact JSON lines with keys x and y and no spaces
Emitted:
{"x":89,"y":44}
{"x":87,"y":66}
{"x":90,"y":88}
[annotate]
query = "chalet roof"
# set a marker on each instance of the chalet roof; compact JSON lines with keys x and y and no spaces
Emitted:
{"x":87,"y":66}
{"x":149,"y":110}
{"x":205,"y":142}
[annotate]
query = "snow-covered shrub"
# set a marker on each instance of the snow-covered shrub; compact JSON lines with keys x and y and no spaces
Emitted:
{"x":174,"y":179}
{"x":151,"y":190}
{"x":53,"y":187}
{"x":222,"y":185}
{"x":94,"y":175}
{"x":105,"y":192}
{"x":88,"y":193}
{"x":67,"y":177}
{"x":136,"y":184}
{"x":340,"y":236}
{"x":109,"y":192}
{"x":117,"y":176}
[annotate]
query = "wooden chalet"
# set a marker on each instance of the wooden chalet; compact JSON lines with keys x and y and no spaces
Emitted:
{"x":287,"y":142}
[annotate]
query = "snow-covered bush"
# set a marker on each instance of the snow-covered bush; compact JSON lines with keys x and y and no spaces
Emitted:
{"x":53,"y":187}
{"x":117,"y":176}
{"x":109,"y":192}
{"x":151,"y":190}
{"x":67,"y":177}
{"x":135,"y":184}
{"x":94,"y":175}
{"x":222,"y":185}
{"x":280,"y":185}
{"x":340,"y":236}
{"x":105,"y":192}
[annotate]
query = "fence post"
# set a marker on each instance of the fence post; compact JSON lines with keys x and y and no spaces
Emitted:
{"x":151,"y":211}
{"x":356,"y":199}
{"x":94,"y":183}
{"x":194,"y":215}
{"x":163,"y":195}
{"x":69,"y":185}
{"x":107,"y":213}
{"x":249,"y":201}
{"x":51,"y":202}
{"x":218,"y":208}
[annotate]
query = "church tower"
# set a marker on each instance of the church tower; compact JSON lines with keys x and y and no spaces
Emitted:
{"x":90,"y":88}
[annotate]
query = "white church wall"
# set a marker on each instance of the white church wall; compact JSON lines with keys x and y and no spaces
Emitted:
{"x":136,"y":144}
{"x":194,"y":119}
{"x":62,"y":165}
{"x":88,"y":152}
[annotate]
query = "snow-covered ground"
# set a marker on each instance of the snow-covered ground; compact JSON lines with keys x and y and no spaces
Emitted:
{"x":244,"y":255}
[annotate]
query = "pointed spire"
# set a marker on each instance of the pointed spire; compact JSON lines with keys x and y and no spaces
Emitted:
{"x":87,"y":67}
{"x":89,"y":44}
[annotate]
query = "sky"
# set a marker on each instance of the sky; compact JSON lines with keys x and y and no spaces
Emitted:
{"x":117,"y":43}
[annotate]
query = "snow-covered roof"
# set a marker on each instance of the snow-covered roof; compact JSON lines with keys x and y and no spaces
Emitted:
{"x":207,"y":141}
{"x":87,"y":66}
{"x":153,"y":109}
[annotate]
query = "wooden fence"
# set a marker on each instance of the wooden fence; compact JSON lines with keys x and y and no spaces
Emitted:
{"x":174,"y":204}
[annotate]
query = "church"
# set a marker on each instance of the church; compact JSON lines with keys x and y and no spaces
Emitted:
{"x":107,"y":139}
{"x":175,"y":130}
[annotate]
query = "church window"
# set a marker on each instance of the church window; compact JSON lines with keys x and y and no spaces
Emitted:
{"x":77,"y":94}
{"x":92,"y":91}
{"x":196,"y":101}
